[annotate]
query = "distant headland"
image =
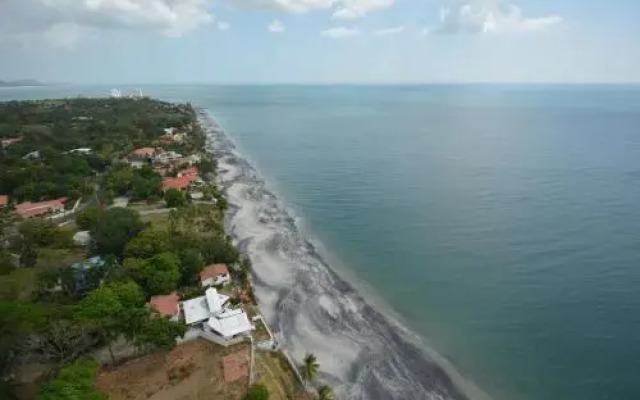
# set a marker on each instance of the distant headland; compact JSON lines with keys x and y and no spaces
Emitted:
{"x":21,"y":82}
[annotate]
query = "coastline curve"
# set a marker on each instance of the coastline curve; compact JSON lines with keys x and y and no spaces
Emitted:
{"x":364,"y":354}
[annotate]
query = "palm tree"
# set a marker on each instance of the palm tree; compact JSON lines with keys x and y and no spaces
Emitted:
{"x":325,"y":393}
{"x":310,"y":367}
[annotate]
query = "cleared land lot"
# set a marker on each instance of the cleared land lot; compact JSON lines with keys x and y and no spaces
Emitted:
{"x":192,"y":371}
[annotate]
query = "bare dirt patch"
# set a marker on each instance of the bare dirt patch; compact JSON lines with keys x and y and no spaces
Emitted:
{"x":192,"y":371}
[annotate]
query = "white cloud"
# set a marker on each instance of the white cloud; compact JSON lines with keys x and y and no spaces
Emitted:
{"x":352,"y":9}
{"x":343,"y":9}
{"x":62,"y":20}
{"x":389,"y":31}
{"x":340,"y":32}
{"x":276,"y":26}
{"x":489,"y":16}
{"x":223,"y":26}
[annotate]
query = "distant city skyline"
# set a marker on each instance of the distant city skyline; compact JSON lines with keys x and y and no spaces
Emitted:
{"x":320,"y":41}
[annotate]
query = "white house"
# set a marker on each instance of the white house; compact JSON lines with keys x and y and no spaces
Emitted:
{"x":213,"y":275}
{"x":220,"y":319}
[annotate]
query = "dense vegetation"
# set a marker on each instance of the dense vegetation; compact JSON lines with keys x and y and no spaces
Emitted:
{"x":111,"y":128}
{"x":55,"y":311}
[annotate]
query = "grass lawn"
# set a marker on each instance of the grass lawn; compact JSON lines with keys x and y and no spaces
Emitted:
{"x":273,"y":370}
{"x":158,"y":221}
{"x":21,"y":282}
{"x":192,"y":371}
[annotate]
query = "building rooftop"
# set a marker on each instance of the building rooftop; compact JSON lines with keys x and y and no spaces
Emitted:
{"x":212,"y":271}
{"x":203,"y":307}
{"x":180,"y":183}
{"x":230,"y":323}
{"x":144,"y":151}
{"x":165,"y":305}
{"x":29,"y":209}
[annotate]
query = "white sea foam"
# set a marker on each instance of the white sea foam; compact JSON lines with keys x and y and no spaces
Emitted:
{"x":362,"y":353}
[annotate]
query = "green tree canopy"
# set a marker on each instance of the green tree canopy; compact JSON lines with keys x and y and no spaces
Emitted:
{"x":257,"y":391}
{"x":115,"y":227}
{"x":157,"y":275}
{"x":191,"y":263}
{"x":128,"y":292}
{"x":41,"y":232}
{"x":18,"y":319}
{"x":159,"y":334}
{"x":75,"y":382}
{"x":175,"y":198}
{"x":310,"y":367}
{"x":147,"y":244}
{"x":325,"y":393}
{"x":88,"y":219}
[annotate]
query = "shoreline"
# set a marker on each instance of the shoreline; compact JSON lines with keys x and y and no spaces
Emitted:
{"x":308,"y":303}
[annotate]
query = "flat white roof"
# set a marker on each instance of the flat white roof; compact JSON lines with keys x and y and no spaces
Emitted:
{"x":195,"y":310}
{"x":215,"y":300}
{"x":203,"y":307}
{"x":230,"y":323}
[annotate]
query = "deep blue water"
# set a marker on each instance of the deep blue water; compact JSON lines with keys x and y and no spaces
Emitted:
{"x":501,"y":222}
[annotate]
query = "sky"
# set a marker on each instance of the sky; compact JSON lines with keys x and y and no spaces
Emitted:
{"x":320,"y":41}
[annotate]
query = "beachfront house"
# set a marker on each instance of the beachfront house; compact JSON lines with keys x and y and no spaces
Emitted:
{"x":213,"y":275}
{"x":178,"y":183}
{"x":212,"y":313}
{"x":167,"y":306}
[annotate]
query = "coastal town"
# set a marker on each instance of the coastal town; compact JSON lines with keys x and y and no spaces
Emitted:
{"x":117,"y":277}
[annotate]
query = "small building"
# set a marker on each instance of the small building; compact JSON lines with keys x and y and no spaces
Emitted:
{"x":213,"y":275}
{"x":82,"y":238}
{"x":43,"y":208}
{"x":6,"y":142}
{"x":166,"y":305}
{"x":179,"y":183}
{"x":190,"y":171}
{"x":193,"y":159}
{"x":220,"y":320}
{"x":4,"y":201}
{"x":89,"y":263}
{"x":167,"y":157}
{"x":82,"y":150}
{"x":85,"y":278}
{"x":144,"y":152}
{"x":137,"y":164}
{"x":34,"y":155}
{"x":120,"y":202}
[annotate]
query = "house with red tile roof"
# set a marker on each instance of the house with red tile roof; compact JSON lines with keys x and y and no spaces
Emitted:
{"x":179,"y":183}
{"x":4,"y":200}
{"x":144,"y":152}
{"x":167,"y":305}
{"x":216,"y":274}
{"x":191,"y":171}
{"x":42,"y":208}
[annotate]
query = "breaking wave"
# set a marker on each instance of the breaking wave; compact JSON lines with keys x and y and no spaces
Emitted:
{"x":363,"y":354}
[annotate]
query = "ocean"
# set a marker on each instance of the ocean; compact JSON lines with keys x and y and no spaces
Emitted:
{"x":438,"y":242}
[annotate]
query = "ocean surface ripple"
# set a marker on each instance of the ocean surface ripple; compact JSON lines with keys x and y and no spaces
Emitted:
{"x":364,"y":354}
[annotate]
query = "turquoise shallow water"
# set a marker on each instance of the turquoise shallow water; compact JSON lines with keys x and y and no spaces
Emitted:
{"x":500,"y":221}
